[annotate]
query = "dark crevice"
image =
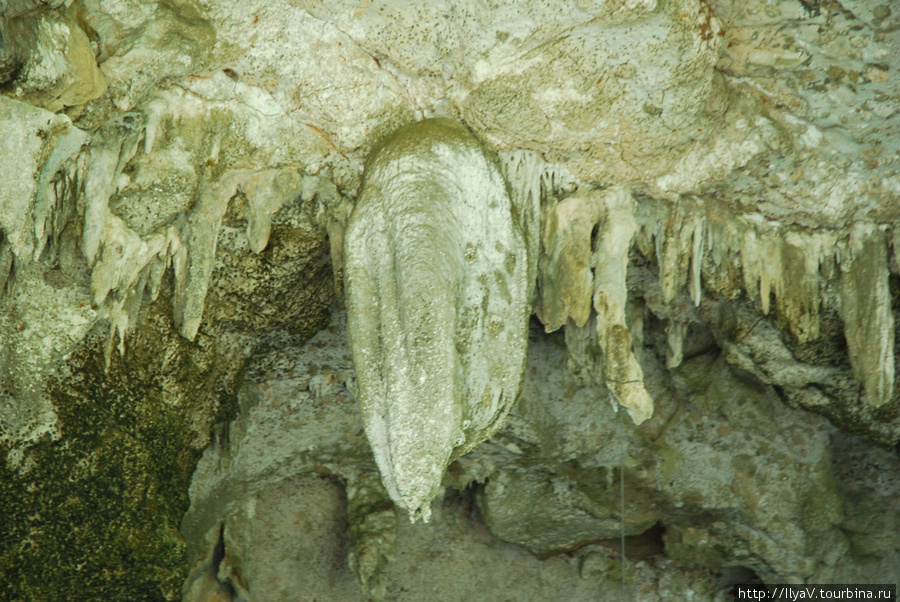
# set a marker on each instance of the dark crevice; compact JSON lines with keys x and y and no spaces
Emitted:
{"x":638,"y":547}
{"x":218,"y":556}
{"x":732,"y":576}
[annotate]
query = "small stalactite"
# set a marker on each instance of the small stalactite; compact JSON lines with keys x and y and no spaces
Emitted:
{"x":123,"y":262}
{"x":867,"y":313}
{"x":623,"y":374}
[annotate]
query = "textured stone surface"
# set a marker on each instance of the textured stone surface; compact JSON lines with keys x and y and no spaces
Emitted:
{"x":725,"y":480}
{"x":708,"y":197}
{"x":289,"y":539}
{"x":125,"y":429}
{"x":437,"y":300}
{"x":61,"y":69}
{"x":770,"y":493}
{"x":97,"y":507}
{"x":301,"y":424}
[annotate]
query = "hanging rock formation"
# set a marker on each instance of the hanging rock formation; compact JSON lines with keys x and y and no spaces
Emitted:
{"x":435,"y":269}
{"x":706,"y":193}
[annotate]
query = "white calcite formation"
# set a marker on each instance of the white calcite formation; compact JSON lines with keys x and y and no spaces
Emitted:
{"x":807,"y":273}
{"x":435,"y":271}
{"x":699,"y":246}
{"x":746,"y":181}
{"x":678,"y":184}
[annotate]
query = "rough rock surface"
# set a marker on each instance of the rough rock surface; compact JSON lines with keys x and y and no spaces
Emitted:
{"x":299,"y":435}
{"x":702,"y":484}
{"x":710,"y":199}
{"x":437,"y":304}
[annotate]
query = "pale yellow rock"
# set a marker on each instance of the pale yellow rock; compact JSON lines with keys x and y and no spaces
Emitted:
{"x":66,"y":73}
{"x":85,"y":81}
{"x":866,"y":311}
{"x":566,"y":277}
{"x":623,"y":373}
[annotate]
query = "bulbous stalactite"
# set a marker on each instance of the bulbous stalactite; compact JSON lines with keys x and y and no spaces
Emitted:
{"x":436,"y":276}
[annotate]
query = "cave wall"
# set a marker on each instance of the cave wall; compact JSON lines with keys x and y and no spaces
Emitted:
{"x":710,"y":198}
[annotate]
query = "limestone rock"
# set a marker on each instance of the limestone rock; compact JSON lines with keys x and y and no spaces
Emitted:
{"x":29,"y":135}
{"x":61,"y":69}
{"x":139,"y":46}
{"x":867,"y":315}
{"x":133,"y":424}
{"x":46,"y":313}
{"x":699,"y":453}
{"x":297,"y":429}
{"x":296,"y":417}
{"x":707,"y":195}
{"x":622,"y":373}
{"x":295,"y":528}
{"x":114,"y":479}
{"x":566,"y":276}
{"x":435,"y":269}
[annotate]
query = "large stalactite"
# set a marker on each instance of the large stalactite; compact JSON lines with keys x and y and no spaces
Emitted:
{"x":435,"y":269}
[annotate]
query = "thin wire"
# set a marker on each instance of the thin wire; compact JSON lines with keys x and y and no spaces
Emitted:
{"x":622,"y":495}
